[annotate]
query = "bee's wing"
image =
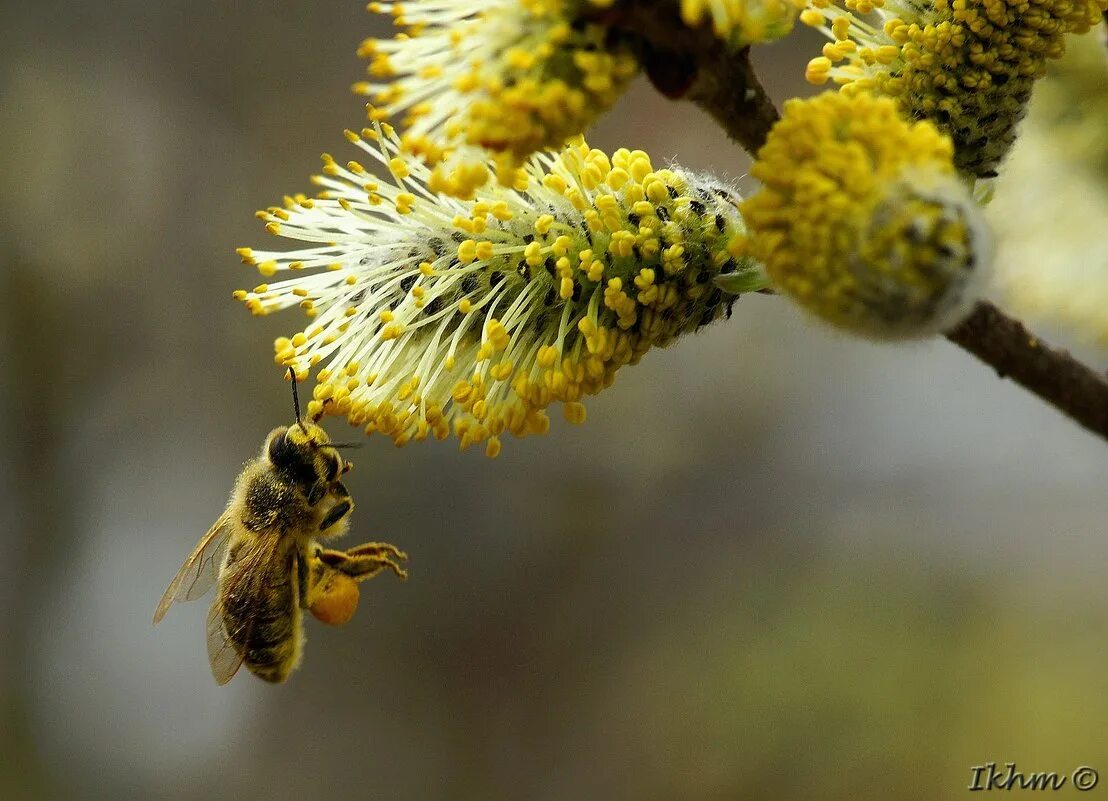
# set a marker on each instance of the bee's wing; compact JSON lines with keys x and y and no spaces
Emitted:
{"x":224,"y":658}
{"x":244,"y":581}
{"x":199,"y":572}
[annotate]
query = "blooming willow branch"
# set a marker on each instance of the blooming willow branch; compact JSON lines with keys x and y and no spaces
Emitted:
{"x":516,"y":76}
{"x":1003,"y":343}
{"x":431,"y":315}
{"x":442,"y":304}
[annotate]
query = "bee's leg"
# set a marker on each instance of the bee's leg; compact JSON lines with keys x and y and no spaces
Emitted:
{"x":375,"y":549}
{"x":316,"y":494}
{"x":366,"y":561}
{"x":316,"y":580}
{"x":304,"y":577}
{"x":337,"y":513}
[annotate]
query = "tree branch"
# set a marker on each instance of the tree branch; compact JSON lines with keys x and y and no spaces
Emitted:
{"x":1054,"y":375}
{"x":694,"y":64}
{"x":737,"y":102}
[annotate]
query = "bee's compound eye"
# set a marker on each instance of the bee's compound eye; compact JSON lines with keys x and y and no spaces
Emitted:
{"x":280,"y":449}
{"x":334,"y":467}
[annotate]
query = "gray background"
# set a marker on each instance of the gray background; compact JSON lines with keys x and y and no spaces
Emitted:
{"x":776,"y":561}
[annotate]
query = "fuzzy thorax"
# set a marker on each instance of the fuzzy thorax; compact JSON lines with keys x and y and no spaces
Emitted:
{"x":430,"y":315}
{"x":863,"y":220}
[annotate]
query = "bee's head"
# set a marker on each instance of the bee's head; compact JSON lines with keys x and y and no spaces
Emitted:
{"x":304,"y":453}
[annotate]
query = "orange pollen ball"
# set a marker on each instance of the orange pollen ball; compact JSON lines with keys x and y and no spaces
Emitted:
{"x":337,"y":600}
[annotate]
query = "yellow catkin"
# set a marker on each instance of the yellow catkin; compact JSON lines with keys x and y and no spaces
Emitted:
{"x":484,"y":313}
{"x":968,"y":66}
{"x":544,"y":74}
{"x":862,"y":219}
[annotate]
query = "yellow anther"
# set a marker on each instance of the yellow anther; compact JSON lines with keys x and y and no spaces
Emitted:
{"x":555,"y":183}
{"x":467,"y":251}
{"x":532,"y":253}
{"x":399,"y":167}
{"x":811,"y":17}
{"x":548,"y":354}
{"x":574,"y":412}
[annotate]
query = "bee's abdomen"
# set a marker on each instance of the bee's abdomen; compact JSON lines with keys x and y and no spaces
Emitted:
{"x":269,"y":637}
{"x":275,"y":646}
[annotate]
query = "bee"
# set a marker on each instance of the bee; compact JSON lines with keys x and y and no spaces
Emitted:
{"x":264,"y":555}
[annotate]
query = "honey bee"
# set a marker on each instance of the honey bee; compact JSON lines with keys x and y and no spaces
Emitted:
{"x":263,"y":553}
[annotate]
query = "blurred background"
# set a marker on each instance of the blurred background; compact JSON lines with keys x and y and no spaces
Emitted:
{"x":776,"y":562}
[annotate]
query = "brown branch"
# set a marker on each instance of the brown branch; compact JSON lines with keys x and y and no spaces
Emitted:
{"x":739,"y":103}
{"x":1054,"y":375}
{"x":693,"y":63}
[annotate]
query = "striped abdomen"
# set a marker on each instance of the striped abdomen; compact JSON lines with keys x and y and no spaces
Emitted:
{"x":263,"y":619}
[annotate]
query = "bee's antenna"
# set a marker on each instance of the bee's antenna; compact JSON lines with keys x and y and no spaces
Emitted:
{"x":295,"y":397}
